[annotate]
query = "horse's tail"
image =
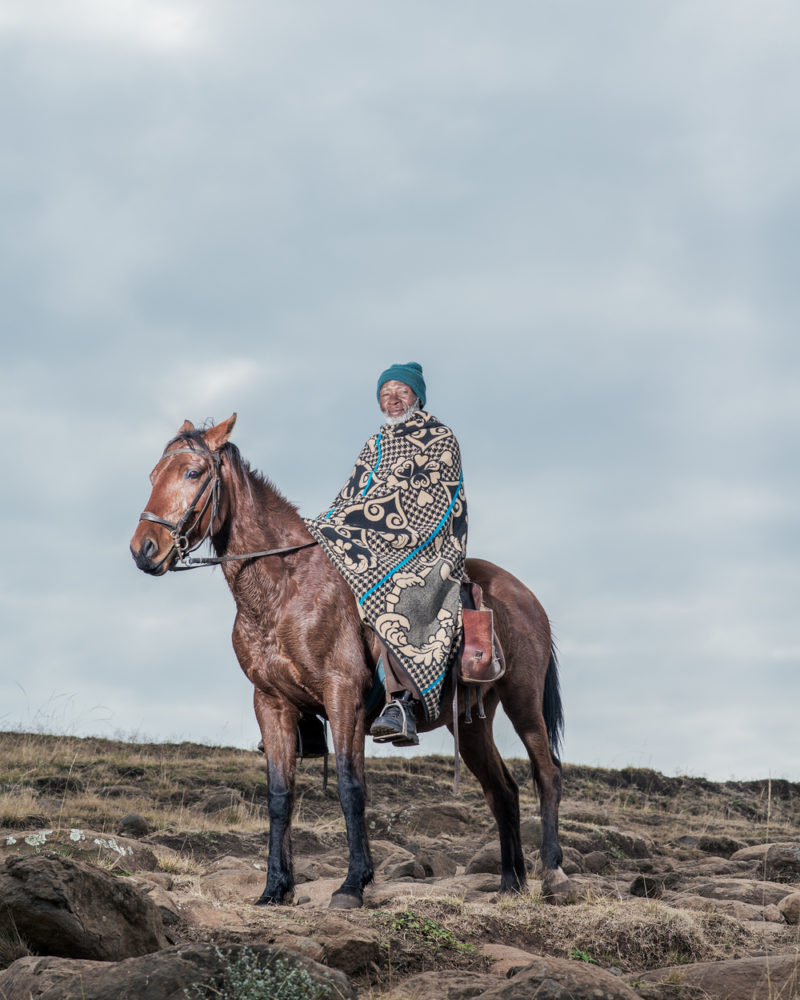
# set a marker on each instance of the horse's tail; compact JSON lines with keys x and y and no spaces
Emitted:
{"x":552,"y":708}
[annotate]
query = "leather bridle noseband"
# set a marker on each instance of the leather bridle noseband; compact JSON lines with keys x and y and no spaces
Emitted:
{"x":179,"y":533}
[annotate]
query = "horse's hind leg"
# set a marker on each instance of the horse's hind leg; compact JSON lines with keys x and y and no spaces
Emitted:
{"x":500,"y":790}
{"x":527,"y":719}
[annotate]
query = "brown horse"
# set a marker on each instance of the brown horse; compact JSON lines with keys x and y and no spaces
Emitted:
{"x":299,"y":639}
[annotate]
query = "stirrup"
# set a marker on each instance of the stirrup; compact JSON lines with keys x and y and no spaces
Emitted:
{"x":399,"y":737}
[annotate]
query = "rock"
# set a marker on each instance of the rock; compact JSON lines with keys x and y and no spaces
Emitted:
{"x":306,"y":841}
{"x":743,"y":890}
{"x":208,"y":845}
{"x":790,"y":908}
{"x":307,"y":946}
{"x":394,"y":857}
{"x":383,"y":850}
{"x":668,"y":991}
{"x":755,"y":853}
{"x":583,"y":842}
{"x":310,"y":871}
{"x":171,"y":974}
{"x":229,"y":863}
{"x":407,"y":868}
{"x":134,"y":825}
{"x":718,"y":866}
{"x":59,"y":906}
{"x":219,"y":800}
{"x":506,"y":961}
{"x":653,"y":886}
{"x":557,"y":888}
{"x":573,"y":863}
{"x":58,"y":784}
{"x":83,"y":845}
{"x":558,"y":979}
{"x":596,"y":862}
{"x":232,"y":886}
{"x":205,"y":916}
{"x":734,"y":979}
{"x":436,"y":864}
{"x":380,"y":895}
{"x":531,"y":831}
{"x":384,"y":823}
{"x":579,"y":812}
{"x":120,"y":792}
{"x":163,"y":879}
{"x":773,"y":915}
{"x":448,"y":984}
{"x":727,"y":907}
{"x":782,"y":863}
{"x":443,"y":818}
{"x":352,"y":950}
{"x":487,"y":859}
{"x":719,"y":845}
{"x":167,"y":905}
{"x":617,"y":842}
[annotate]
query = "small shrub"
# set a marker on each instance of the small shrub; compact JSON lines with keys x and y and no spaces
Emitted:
{"x":581,"y":956}
{"x":246,"y":978}
{"x":427,"y":931}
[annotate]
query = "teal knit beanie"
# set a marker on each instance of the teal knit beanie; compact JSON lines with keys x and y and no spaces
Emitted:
{"x":409,"y":374}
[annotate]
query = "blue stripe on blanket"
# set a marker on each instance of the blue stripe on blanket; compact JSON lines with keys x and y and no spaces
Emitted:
{"x":419,"y":548}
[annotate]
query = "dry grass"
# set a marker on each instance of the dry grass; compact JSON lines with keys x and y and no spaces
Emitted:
{"x":11,"y":949}
{"x":631,"y":937}
{"x":67,"y":781}
{"x":59,"y":781}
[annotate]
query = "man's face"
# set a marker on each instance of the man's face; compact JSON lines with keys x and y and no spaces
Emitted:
{"x":395,"y":398}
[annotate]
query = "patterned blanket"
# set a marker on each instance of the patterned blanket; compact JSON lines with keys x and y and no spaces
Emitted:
{"x":397,"y":532}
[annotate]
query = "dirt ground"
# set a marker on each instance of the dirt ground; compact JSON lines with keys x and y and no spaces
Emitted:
{"x":652,"y":858}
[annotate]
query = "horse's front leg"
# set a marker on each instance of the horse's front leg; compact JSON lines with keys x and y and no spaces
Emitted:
{"x":279,"y":732}
{"x":347,"y":728}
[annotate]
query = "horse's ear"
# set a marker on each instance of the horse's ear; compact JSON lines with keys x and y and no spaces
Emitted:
{"x":185,"y":427}
{"x":217,"y":437}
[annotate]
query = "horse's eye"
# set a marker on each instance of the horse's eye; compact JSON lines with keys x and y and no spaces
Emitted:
{"x":192,"y":474}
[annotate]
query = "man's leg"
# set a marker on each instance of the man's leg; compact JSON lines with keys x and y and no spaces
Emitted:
{"x":397,"y":722}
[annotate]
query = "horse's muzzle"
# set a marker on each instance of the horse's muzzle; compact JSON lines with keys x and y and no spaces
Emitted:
{"x":143,"y":559}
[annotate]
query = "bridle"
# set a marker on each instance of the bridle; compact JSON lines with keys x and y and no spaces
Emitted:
{"x":179,"y":533}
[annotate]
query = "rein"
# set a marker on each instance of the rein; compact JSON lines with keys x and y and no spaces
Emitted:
{"x":180,"y":535}
{"x":191,"y":563}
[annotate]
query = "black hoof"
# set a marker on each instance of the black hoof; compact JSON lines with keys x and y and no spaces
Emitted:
{"x":346,"y":899}
{"x":557,"y":888}
{"x":270,"y":900}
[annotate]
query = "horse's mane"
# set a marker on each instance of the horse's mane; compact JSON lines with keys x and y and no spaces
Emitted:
{"x":269,"y":493}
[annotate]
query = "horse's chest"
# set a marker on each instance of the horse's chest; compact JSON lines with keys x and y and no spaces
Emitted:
{"x":269,"y":660}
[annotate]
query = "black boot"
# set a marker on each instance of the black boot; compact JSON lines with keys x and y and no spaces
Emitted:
{"x":397,"y":723}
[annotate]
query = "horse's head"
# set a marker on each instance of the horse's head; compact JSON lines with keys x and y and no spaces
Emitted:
{"x":183,"y":503}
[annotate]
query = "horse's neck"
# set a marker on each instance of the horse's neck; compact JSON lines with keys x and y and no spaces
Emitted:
{"x":256,"y":516}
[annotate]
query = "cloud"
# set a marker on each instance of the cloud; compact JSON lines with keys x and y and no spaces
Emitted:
{"x":157,"y":26}
{"x":583,"y":228}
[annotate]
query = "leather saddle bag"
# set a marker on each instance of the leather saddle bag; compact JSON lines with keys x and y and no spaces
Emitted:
{"x":481,"y":660}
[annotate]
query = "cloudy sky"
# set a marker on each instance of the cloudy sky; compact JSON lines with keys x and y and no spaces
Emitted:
{"x":581,"y":218}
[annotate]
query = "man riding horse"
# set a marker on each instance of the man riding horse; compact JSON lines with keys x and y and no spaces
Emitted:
{"x":397,"y":533}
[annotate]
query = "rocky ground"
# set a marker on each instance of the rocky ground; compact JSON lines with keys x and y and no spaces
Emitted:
{"x":129,"y":870}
